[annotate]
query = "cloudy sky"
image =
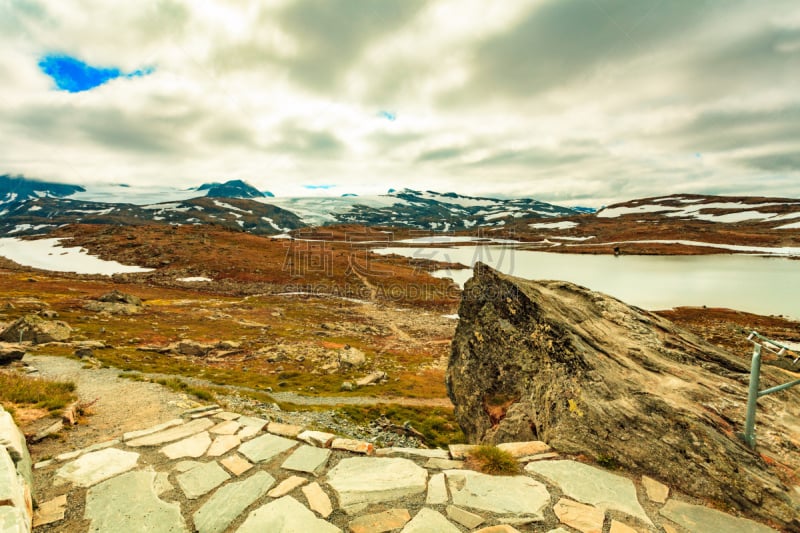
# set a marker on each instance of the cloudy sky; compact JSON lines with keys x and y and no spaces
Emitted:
{"x":571,"y":101}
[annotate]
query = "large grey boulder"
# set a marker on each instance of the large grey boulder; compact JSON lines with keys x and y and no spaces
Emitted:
{"x":35,"y":329}
{"x":588,"y":374}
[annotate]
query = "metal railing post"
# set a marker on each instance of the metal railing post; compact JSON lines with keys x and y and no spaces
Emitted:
{"x":752,"y":397}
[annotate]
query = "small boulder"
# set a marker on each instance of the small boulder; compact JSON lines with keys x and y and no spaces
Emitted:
{"x":350,"y":357}
{"x":116,"y":296}
{"x":35,"y":329}
{"x":116,"y":303}
{"x":193,"y":348}
{"x":10,"y":353}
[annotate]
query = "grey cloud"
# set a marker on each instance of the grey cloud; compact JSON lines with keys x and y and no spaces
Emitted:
{"x":298,"y":140}
{"x":777,"y":162}
{"x":564,"y":41}
{"x":529,"y":157}
{"x":334,"y":33}
{"x":440,"y":154}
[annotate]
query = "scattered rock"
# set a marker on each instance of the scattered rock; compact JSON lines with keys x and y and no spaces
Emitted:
{"x":10,"y":353}
{"x":656,"y":491}
{"x":317,"y":438}
{"x":698,"y":518}
{"x":371,"y":378}
{"x":360,"y":481}
{"x":193,"y":348}
{"x":129,"y":503}
{"x":465,"y":518}
{"x":318,"y":501}
{"x":350,"y":358}
{"x":50,"y":511}
{"x":201,"y":479}
{"x":388,"y":520}
{"x":346,"y":386}
{"x":35,"y":329}
{"x":285,"y":514}
{"x":116,"y":303}
{"x":503,"y":495}
{"x":225,"y":505}
{"x":428,"y":520}
{"x":355,"y":446}
{"x":591,"y":485}
{"x":286,"y":486}
{"x":236,"y":465}
{"x":584,"y":518}
{"x":95,"y":467}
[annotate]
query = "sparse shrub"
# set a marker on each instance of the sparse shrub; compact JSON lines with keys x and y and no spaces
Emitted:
{"x":493,"y":460}
{"x":35,"y":392}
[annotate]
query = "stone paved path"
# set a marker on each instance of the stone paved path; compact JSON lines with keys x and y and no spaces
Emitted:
{"x":214,"y":471}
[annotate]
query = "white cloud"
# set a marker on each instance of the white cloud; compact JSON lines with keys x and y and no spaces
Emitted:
{"x":634,"y":101}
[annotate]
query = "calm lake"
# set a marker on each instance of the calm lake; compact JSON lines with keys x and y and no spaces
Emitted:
{"x":763,"y":285}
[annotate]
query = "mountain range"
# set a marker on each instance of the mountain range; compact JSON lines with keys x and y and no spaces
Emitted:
{"x":34,"y":207}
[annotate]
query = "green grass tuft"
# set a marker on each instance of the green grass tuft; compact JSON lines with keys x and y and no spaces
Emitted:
{"x":493,"y":460}
{"x":35,"y":392}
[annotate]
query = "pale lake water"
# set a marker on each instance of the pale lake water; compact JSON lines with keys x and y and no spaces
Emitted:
{"x":763,"y":285}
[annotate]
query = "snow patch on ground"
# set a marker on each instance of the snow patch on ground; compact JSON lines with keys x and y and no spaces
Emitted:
{"x":790,"y":251}
{"x":565,"y":224}
{"x":194,"y":279}
{"x":47,"y":254}
{"x":793,"y":225}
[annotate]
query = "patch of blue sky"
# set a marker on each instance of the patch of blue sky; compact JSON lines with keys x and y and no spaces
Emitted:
{"x":73,"y":75}
{"x":388,"y":115}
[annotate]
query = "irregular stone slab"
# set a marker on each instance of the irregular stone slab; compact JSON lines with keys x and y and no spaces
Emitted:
{"x":227,"y":415}
{"x":286,"y":486}
{"x":162,"y":484}
{"x":521,"y":449}
{"x":434,"y":453}
{"x":202,"y":409}
{"x":656,"y":491}
{"x":94,"y":467}
{"x":352,"y":445}
{"x":465,"y":518}
{"x":556,"y":530}
{"x":538,"y":457}
{"x":444,"y":464}
{"x":202,"y":479}
{"x":193,"y":446}
{"x":505,"y":528}
{"x":619,"y":527}
{"x":317,"y":438}
{"x":284,"y":430}
{"x":461,"y":451}
{"x":225,"y":505}
{"x":68,"y":456}
{"x":591,"y":485}
{"x":185,"y":466}
{"x":317,"y":499}
{"x":129,"y":503}
{"x":698,"y":518}
{"x":43,"y":464}
{"x":131,"y":435}
{"x":380,"y":522}
{"x":229,"y":427}
{"x":503,"y":495}
{"x":360,"y":481}
{"x":252,"y":422}
{"x":428,"y":521}
{"x":50,"y":511}
{"x":205,"y":414}
{"x":437,"y":490}
{"x":247,"y":433}
{"x":265,"y":447}
{"x":172,"y":434}
{"x":285,"y":514}
{"x":584,"y":518}
{"x":223,"y":444}
{"x":236,"y":465}
{"x":307,"y":459}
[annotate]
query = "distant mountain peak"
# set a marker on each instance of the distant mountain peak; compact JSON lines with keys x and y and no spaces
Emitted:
{"x":232,"y":189}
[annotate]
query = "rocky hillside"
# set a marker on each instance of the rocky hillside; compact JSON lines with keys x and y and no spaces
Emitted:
{"x":683,"y":224}
{"x":42,"y":215}
{"x":588,"y":374}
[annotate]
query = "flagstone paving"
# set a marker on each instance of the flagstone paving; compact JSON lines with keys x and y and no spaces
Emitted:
{"x":241,"y":478}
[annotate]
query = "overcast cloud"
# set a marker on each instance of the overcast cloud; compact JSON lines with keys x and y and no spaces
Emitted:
{"x":572,"y":101}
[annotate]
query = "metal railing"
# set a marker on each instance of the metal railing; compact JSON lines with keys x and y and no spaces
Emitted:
{"x":759,"y":341}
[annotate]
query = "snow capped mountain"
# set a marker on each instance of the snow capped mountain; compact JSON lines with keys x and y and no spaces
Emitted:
{"x":231,"y":189}
{"x":419,"y":209}
{"x":18,"y":189}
